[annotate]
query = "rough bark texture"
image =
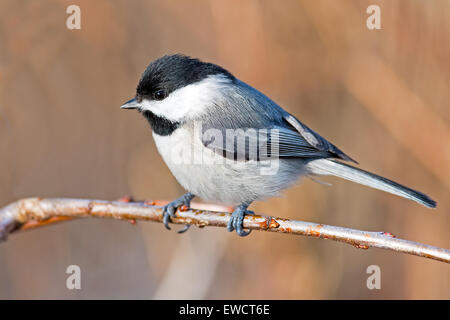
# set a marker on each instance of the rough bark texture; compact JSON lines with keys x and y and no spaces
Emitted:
{"x":34,"y":212}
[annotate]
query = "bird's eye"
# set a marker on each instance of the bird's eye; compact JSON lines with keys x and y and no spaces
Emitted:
{"x":159,"y":95}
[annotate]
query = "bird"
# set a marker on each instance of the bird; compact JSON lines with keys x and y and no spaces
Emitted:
{"x":228,"y":143}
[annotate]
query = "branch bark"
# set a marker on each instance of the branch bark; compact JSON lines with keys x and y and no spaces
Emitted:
{"x":35,"y":212}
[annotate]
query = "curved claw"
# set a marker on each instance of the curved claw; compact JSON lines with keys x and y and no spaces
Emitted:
{"x":236,"y":221}
{"x":242,"y":233}
{"x":186,"y":228}
{"x":230,"y":224}
{"x":168,"y":212}
{"x":170,"y":209}
{"x":240,"y":225}
{"x":166,"y":220}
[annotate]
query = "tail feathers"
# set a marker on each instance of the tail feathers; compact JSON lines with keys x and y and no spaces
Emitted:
{"x":348,"y":172}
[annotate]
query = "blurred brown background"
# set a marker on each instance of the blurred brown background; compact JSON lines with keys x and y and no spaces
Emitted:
{"x":381,"y":95}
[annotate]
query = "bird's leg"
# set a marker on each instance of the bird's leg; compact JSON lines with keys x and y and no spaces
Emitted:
{"x":237,"y":220}
{"x":170,"y":209}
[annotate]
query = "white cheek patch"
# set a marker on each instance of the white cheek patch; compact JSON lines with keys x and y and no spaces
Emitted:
{"x":188,"y":101}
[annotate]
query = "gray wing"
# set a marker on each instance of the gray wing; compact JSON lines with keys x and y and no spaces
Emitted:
{"x":315,"y":140}
{"x":245,"y":124}
{"x":259,"y":144}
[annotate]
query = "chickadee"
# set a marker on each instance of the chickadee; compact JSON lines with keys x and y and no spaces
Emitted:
{"x":205,"y":122}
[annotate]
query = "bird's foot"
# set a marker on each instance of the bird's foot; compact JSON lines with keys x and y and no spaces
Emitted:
{"x":169,"y":210}
{"x":237,"y":220}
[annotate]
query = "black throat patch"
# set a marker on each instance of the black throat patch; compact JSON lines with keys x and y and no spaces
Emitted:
{"x":160,"y":125}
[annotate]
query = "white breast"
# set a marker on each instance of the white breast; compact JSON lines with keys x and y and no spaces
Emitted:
{"x":187,"y":159}
{"x":208,"y":175}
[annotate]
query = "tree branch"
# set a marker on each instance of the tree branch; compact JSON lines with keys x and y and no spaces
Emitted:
{"x":34,"y":212}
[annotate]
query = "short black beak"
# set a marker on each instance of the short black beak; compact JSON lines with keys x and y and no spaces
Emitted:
{"x":131,"y":104}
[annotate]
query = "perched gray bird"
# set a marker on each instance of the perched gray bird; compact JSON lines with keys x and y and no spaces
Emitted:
{"x":226,"y":142}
